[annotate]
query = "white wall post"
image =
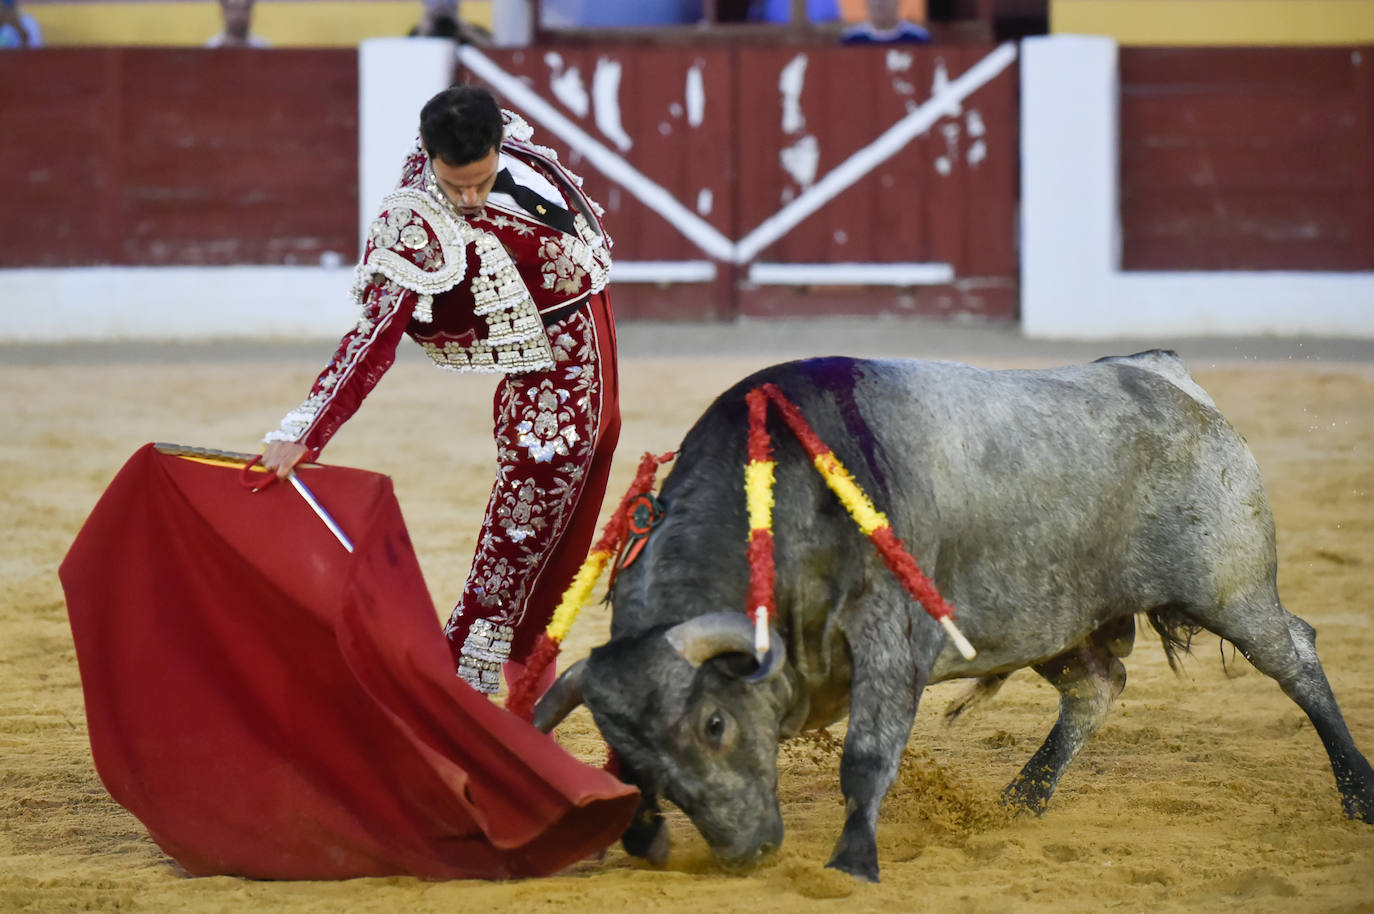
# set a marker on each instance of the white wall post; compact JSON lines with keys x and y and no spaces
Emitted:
{"x":1072,"y":284}
{"x":512,"y":22}
{"x":396,"y":76}
{"x":1070,"y":235}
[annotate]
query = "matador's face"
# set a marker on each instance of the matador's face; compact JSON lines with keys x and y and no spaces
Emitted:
{"x":467,"y":186}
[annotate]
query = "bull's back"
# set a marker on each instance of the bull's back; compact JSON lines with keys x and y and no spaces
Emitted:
{"x":1046,"y":502}
{"x":1042,"y":502}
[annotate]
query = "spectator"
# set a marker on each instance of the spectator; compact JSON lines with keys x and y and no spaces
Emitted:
{"x":884,"y":26}
{"x":237,"y":16}
{"x":440,"y":20}
{"x":17,"y":29}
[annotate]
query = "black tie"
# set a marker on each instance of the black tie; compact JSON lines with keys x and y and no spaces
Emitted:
{"x":548,"y":213}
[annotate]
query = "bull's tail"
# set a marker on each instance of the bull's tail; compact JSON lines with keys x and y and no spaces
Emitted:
{"x":1176,"y":630}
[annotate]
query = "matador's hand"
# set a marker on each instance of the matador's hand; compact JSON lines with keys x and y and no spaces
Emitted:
{"x":282,"y":457}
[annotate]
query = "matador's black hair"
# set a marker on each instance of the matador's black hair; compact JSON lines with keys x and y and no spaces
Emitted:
{"x":461,"y":124}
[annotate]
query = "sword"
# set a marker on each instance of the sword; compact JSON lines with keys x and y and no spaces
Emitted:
{"x":318,"y":508}
{"x":235,"y":458}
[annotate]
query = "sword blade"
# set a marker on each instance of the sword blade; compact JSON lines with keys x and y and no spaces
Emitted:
{"x":315,"y":506}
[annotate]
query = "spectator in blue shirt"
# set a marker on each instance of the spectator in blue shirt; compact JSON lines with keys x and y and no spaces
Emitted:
{"x":18,"y":30}
{"x":816,"y":10}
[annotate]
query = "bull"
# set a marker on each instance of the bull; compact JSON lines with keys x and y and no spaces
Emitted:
{"x":1050,"y":507}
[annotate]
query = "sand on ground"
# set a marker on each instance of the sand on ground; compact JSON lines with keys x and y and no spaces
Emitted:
{"x":1202,"y":792}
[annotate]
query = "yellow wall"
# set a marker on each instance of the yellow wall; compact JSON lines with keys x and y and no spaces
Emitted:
{"x":1217,"y":22}
{"x":289,"y":23}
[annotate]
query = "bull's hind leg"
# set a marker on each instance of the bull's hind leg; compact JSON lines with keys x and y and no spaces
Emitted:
{"x":1088,"y":678}
{"x":1284,"y":647}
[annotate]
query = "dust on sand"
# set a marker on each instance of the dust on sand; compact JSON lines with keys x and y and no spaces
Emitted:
{"x":1200,"y":792}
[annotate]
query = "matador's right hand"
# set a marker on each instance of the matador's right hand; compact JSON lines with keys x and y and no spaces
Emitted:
{"x":281,"y":457}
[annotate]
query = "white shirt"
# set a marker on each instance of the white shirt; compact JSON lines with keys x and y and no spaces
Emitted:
{"x":525,"y":176}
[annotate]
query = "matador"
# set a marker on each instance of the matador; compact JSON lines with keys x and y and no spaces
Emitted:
{"x":491,"y":257}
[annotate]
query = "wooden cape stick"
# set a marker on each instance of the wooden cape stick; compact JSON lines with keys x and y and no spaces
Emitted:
{"x":235,"y":458}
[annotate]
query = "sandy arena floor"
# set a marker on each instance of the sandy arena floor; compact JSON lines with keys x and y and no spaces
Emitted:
{"x":1205,"y":792}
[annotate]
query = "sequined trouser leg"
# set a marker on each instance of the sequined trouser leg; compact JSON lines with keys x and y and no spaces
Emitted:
{"x":555,"y":434}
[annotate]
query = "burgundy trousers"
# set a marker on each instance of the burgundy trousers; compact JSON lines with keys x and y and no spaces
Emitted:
{"x":555,"y":434}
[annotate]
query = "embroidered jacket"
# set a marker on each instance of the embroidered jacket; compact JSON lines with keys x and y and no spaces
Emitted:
{"x":472,"y":290}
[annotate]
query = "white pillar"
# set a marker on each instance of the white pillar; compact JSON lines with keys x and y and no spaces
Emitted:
{"x":396,"y":76}
{"x":1072,"y":284}
{"x":1070,"y":231}
{"x":512,"y":22}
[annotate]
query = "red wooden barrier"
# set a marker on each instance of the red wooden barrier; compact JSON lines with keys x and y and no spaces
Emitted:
{"x":1231,"y":159}
{"x":1247,"y":158}
{"x":153,"y":156}
{"x":738,"y":136}
{"x":635,"y":101}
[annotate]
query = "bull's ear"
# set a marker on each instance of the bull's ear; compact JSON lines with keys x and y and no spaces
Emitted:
{"x":559,"y":701}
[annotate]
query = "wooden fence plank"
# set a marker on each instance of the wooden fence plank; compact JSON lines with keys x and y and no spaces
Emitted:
{"x":1246,"y":159}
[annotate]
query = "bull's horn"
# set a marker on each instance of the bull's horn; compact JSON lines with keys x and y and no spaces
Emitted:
{"x":558,"y":702}
{"x":700,"y":639}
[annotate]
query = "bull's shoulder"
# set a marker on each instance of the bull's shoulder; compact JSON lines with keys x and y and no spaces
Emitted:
{"x":1167,"y":364}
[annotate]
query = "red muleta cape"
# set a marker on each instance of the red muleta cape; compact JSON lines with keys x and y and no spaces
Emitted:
{"x":270,"y":706}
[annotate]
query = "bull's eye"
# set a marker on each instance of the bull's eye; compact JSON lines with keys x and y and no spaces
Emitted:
{"x":715,"y":728}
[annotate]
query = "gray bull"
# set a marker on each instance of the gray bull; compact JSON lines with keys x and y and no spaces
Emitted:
{"x":1049,"y":506}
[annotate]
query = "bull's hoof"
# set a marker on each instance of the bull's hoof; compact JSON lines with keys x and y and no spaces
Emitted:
{"x":866,"y":870}
{"x":648,"y":839}
{"x":1023,"y":797}
{"x":856,"y":856}
{"x":1355,"y":780}
{"x":1359,"y":808}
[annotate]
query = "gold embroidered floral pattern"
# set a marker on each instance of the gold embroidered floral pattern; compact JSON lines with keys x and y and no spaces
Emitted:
{"x":560,"y":272}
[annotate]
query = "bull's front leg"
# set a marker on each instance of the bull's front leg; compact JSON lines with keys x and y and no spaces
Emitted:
{"x":647,"y":836}
{"x":885,"y":686}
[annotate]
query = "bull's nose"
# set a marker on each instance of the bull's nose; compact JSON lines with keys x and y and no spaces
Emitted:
{"x":740,"y":863}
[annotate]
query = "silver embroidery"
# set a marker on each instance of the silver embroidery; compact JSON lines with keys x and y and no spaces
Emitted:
{"x":486,"y":647}
{"x":544,"y":444}
{"x":560,"y":272}
{"x":448,"y":261}
{"x":515,"y":340}
{"x":521,"y":132}
{"x":547,"y":426}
